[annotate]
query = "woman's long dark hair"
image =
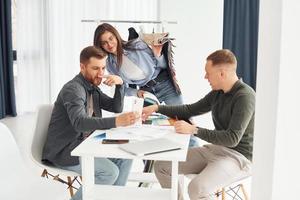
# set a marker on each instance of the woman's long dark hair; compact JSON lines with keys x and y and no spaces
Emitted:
{"x":100,"y":30}
{"x":121,"y":44}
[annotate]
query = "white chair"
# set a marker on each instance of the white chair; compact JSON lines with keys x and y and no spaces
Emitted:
{"x":232,"y":191}
{"x":38,"y":141}
{"x":17,"y":182}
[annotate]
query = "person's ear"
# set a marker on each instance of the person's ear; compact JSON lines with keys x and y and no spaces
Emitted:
{"x":222,"y":73}
{"x":82,"y":66}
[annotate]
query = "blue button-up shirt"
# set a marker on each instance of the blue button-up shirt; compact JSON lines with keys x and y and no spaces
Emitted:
{"x":143,"y":57}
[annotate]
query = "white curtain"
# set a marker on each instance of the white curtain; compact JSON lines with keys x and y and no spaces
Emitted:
{"x":51,"y":36}
{"x":32,"y":84}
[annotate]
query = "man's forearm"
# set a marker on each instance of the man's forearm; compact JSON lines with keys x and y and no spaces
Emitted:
{"x":178,"y":111}
{"x":118,"y":99}
{"x":83,"y":124}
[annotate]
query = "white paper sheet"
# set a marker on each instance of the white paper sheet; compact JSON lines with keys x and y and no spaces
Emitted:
{"x":134,"y":104}
{"x":144,"y":132}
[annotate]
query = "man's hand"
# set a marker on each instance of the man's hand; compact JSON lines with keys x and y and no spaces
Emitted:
{"x":127,"y":119}
{"x":148,"y":111}
{"x":140,"y":93}
{"x":184,"y":127}
{"x":111,"y":80}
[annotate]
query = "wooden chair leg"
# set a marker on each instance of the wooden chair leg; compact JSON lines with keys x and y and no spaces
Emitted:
{"x":218,"y":193}
{"x":70,"y":186}
{"x":244,"y":192}
{"x":44,"y":173}
{"x":69,"y":182}
{"x":223,"y":193}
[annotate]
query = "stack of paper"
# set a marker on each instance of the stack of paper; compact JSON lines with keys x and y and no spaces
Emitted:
{"x":144,"y":132}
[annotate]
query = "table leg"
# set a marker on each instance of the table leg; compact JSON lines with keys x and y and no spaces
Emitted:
{"x":88,"y":176}
{"x":174,"y":189}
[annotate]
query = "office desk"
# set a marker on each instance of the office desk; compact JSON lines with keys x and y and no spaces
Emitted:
{"x":91,"y":148}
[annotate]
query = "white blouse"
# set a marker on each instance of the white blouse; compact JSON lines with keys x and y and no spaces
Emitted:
{"x":131,"y":70}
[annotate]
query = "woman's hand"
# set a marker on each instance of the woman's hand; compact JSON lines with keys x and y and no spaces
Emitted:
{"x":156,"y":50}
{"x":140,"y":93}
{"x":111,"y":80}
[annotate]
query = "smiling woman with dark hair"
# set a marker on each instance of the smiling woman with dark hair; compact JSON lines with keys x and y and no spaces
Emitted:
{"x":137,"y":64}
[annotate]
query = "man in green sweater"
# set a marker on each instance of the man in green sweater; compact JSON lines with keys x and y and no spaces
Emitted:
{"x":228,"y":156}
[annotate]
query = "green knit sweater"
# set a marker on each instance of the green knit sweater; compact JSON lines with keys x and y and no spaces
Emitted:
{"x":232,"y":114}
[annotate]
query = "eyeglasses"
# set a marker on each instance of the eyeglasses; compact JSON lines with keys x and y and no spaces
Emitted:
{"x":110,"y":40}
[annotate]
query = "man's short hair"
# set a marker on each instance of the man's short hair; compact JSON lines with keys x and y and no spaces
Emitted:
{"x":89,"y":52}
{"x":222,"y":56}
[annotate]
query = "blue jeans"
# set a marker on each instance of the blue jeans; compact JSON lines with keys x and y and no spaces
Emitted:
{"x":193,"y":142}
{"x":165,"y":92}
{"x":108,"y":171}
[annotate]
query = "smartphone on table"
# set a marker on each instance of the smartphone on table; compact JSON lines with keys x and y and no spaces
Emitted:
{"x":114,"y":141}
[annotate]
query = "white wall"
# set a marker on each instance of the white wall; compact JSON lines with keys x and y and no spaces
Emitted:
{"x":198,"y":33}
{"x":276,"y":154}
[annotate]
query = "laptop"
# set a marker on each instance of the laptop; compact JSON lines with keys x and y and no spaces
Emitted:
{"x":148,"y":147}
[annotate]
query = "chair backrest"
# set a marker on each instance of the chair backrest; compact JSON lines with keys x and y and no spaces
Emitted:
{"x":40,"y":133}
{"x":39,"y":138}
